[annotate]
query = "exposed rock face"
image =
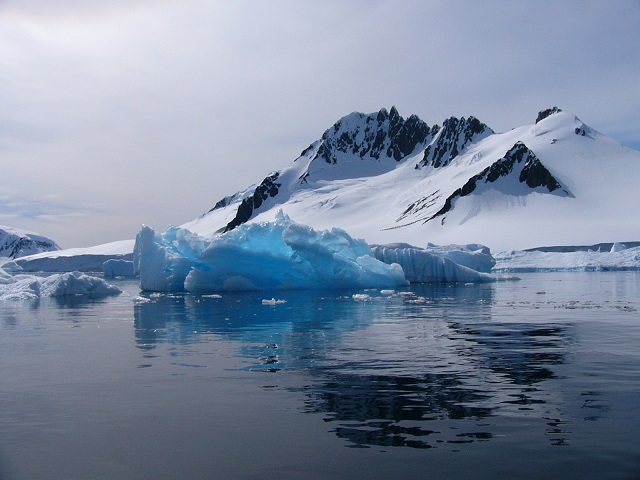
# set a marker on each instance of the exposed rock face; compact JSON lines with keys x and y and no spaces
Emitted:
{"x":375,"y":135}
{"x":224,"y":202}
{"x":533,"y":173}
{"x":455,"y":135}
{"x":268,"y":188}
{"x":546,"y":113}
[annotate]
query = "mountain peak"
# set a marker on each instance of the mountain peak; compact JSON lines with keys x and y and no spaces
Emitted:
{"x":525,"y":187}
{"x":15,"y":243}
{"x":456,"y":135}
{"x":381,"y":134}
{"x":542,"y":114}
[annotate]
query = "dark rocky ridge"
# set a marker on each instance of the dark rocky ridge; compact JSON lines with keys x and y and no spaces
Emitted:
{"x":14,"y":246}
{"x":268,"y":188}
{"x":455,"y":135}
{"x":384,"y":133}
{"x":534,"y":174}
{"x":547,"y":113}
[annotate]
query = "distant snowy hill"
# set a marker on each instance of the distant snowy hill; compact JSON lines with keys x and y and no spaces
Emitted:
{"x":15,"y":243}
{"x":387,"y":179}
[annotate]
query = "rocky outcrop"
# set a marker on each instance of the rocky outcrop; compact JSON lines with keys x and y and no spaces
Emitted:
{"x":15,"y":243}
{"x":373,"y":136}
{"x":532,"y":173}
{"x":268,"y":188}
{"x":546,"y":113}
{"x":456,"y":135}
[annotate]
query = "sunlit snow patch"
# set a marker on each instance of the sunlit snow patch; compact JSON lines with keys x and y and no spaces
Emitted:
{"x":281,"y":254}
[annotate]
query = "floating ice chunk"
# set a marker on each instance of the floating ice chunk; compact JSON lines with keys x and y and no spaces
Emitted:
{"x":76,"y":283}
{"x":361,"y":297}
{"x":281,"y":254}
{"x":473,"y":255}
{"x":421,"y":266}
{"x":5,"y":277}
{"x":26,"y":287}
{"x":618,"y":247}
{"x":273,"y":302}
{"x":115,"y":267}
{"x":163,"y":261}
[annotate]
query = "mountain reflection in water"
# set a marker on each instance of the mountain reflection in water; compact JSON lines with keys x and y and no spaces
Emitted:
{"x":436,"y":364}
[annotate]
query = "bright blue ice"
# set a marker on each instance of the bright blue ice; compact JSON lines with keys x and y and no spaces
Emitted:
{"x":271,"y":255}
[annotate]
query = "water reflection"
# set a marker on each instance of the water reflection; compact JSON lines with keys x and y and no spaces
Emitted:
{"x":428,"y":366}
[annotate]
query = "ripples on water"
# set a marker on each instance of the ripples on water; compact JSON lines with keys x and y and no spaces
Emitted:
{"x":532,"y":366}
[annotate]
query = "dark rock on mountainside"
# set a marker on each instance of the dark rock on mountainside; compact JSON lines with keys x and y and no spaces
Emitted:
{"x":547,"y":113}
{"x":381,"y":134}
{"x":268,"y":188}
{"x":19,"y":244}
{"x":455,"y":135}
{"x":533,"y":173}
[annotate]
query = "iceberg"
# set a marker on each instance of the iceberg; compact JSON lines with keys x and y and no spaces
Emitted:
{"x":30,"y":287}
{"x":117,"y":267}
{"x":436,"y":265}
{"x":281,"y":254}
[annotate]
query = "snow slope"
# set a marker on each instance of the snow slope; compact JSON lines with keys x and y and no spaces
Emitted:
{"x":554,"y":182}
{"x":15,"y":243}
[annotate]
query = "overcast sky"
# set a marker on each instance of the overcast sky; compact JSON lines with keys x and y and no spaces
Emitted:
{"x":123,"y":112}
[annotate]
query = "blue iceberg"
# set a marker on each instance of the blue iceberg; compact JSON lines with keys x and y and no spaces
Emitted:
{"x":281,"y":254}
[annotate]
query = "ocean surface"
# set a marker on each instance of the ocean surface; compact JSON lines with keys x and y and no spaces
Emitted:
{"x":537,"y":378}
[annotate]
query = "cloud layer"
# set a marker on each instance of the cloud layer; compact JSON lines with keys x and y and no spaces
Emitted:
{"x":149,"y":112}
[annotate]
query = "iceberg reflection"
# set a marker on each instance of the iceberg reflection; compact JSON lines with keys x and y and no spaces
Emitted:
{"x":429,"y":365}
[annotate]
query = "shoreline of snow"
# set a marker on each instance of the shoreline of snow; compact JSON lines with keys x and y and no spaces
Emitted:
{"x":521,"y":261}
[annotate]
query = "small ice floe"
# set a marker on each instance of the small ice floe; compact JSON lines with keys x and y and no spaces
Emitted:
{"x":273,"y":302}
{"x":406,"y":294}
{"x":213,"y":295}
{"x":140,"y":299}
{"x":361,"y":297}
{"x":387,"y":292}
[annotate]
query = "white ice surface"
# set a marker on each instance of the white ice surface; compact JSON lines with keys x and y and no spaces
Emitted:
{"x":521,"y":261}
{"x":89,"y":259}
{"x":422,"y":266}
{"x":29,"y":287}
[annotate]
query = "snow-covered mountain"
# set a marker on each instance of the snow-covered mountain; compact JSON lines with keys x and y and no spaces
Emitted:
{"x":15,"y":243}
{"x":387,"y":179}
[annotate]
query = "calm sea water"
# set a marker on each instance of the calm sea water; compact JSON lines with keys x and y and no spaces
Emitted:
{"x":538,"y":378}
